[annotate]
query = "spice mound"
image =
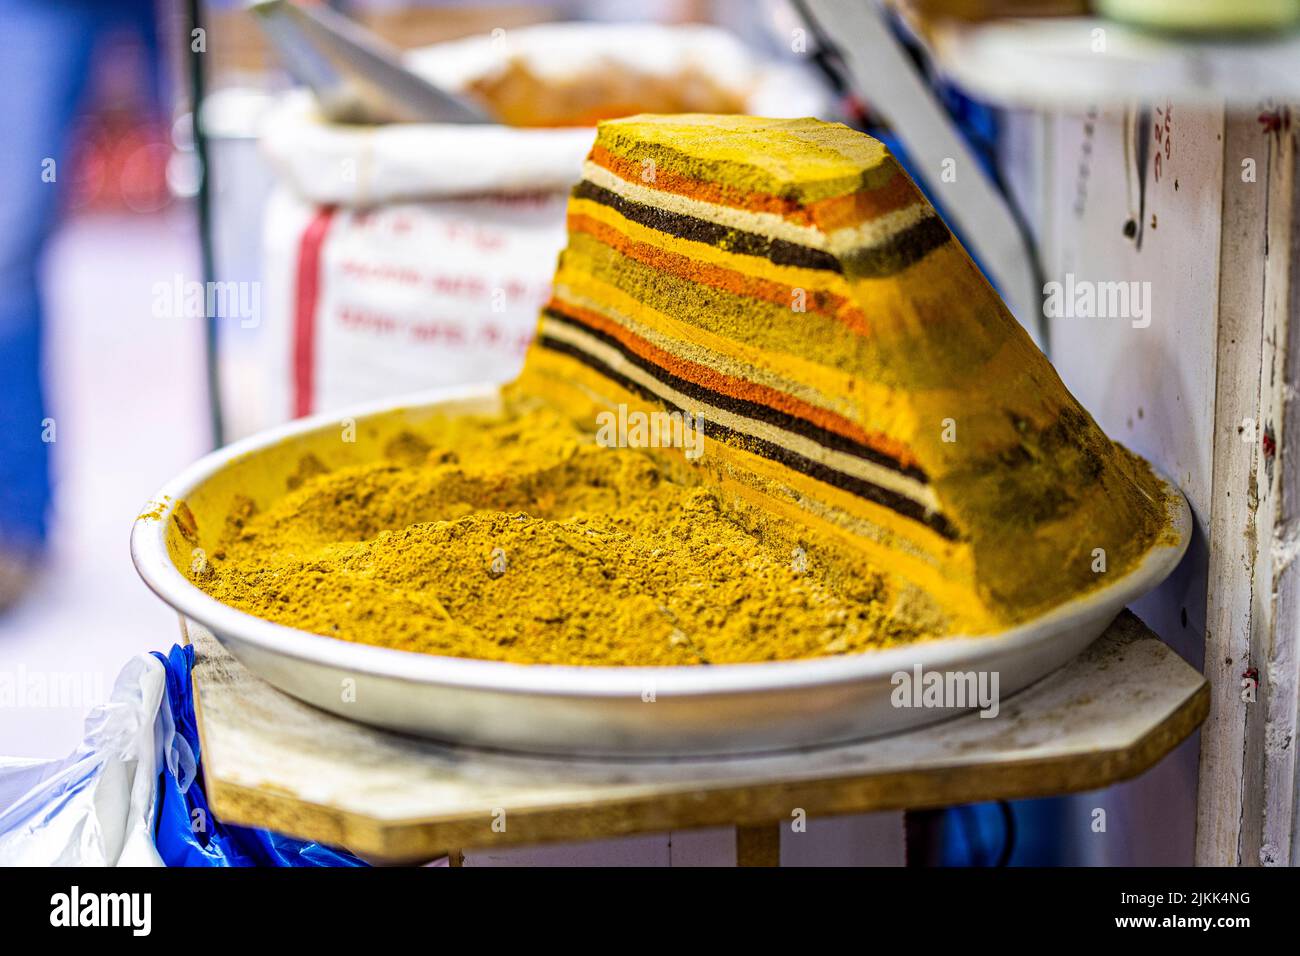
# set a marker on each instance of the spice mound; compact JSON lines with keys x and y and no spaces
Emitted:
{"x":520,"y":539}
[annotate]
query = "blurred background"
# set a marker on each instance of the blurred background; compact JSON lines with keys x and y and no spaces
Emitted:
{"x":102,"y":91}
{"x":345,"y":273}
{"x":106,"y":230}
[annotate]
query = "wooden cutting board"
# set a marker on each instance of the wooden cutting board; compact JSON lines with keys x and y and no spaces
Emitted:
{"x":271,"y":761}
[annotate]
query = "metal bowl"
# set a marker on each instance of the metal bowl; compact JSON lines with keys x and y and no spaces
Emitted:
{"x":572,"y":710}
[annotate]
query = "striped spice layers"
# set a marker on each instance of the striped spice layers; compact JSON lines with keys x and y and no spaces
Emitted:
{"x":855,"y":373}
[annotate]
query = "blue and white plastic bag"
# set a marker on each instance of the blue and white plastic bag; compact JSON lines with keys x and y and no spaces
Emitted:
{"x":131,"y":794}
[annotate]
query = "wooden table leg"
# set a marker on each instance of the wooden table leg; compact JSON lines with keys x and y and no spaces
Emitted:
{"x":455,"y":858}
{"x":758,"y":846}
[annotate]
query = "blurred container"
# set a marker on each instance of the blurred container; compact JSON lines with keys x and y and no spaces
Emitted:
{"x":1204,"y":16}
{"x":241,"y":181}
{"x":410,"y":256}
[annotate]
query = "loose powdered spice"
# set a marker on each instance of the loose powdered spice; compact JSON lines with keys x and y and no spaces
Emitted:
{"x":517,"y":96}
{"x":520,"y":539}
{"x":786,"y":279}
{"x":890,"y":456}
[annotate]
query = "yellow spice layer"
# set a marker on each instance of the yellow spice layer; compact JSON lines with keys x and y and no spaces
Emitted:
{"x":520,"y":539}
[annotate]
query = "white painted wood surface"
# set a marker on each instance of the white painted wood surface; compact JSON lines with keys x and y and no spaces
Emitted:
{"x":1152,"y":387}
{"x":1205,"y":392}
{"x":1269,"y":807}
{"x":1237,"y":440}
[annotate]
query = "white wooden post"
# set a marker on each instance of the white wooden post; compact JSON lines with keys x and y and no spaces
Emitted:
{"x":1207,"y":393}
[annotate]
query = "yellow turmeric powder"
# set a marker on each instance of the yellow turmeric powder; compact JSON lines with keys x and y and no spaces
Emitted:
{"x":520,"y":539}
{"x":892,"y":458}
